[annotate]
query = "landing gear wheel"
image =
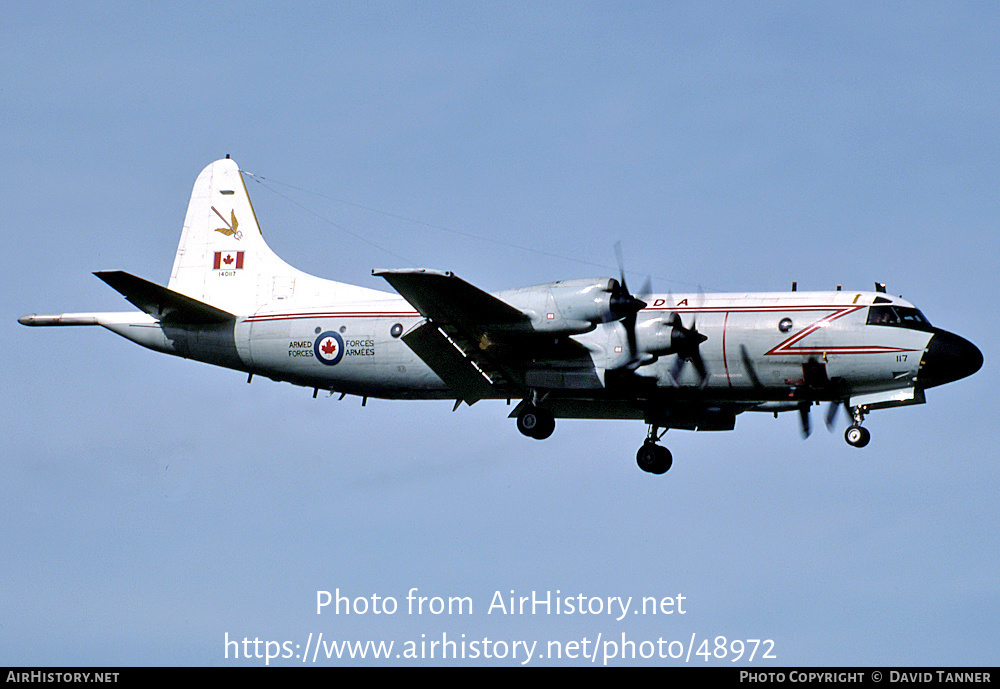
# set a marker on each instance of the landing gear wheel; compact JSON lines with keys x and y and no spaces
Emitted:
{"x":654,"y":458}
{"x":536,"y":423}
{"x":857,"y":436}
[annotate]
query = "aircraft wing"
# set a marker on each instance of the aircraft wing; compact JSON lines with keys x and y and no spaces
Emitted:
{"x":478,"y":344}
{"x":163,"y":303}
{"x":445,"y":298}
{"x":454,"y":338}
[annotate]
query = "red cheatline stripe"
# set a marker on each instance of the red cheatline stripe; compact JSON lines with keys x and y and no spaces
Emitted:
{"x":335,"y":314}
{"x":745,"y":309}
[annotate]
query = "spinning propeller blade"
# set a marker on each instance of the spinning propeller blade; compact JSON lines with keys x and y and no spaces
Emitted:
{"x":685,"y":343}
{"x":804,"y":418}
{"x":831,"y":413}
{"x":748,"y":365}
{"x":625,"y":306}
{"x":623,"y":303}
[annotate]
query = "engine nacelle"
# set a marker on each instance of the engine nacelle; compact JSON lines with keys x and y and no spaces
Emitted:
{"x":655,"y":336}
{"x":567,"y":306}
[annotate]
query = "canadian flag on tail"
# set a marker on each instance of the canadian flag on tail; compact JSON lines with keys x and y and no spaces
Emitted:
{"x":228,"y":260}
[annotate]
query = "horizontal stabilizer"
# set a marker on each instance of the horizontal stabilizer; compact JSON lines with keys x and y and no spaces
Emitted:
{"x":163,"y":303}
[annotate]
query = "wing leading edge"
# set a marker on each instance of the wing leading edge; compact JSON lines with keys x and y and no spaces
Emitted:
{"x":447,"y":299}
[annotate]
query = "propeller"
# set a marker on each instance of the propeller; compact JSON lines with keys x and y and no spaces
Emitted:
{"x":685,"y":343}
{"x":817,"y":385}
{"x":830,"y":416}
{"x":625,"y":306}
{"x":748,"y":365}
{"x":806,"y":404}
{"x":831,"y":412}
{"x":804,"y":407}
{"x":622,"y":303}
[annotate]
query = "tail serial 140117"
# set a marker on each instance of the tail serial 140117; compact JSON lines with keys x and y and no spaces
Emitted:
{"x":580,"y":348}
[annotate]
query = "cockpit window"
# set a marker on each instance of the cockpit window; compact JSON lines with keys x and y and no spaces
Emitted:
{"x":898,"y":316}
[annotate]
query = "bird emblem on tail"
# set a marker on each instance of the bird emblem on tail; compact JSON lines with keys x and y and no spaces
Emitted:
{"x":231,"y":229}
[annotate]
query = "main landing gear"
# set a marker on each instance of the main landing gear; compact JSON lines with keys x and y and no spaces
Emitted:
{"x":652,"y":457}
{"x":536,"y":422}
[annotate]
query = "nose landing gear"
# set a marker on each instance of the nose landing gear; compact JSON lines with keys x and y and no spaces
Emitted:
{"x":856,"y":435}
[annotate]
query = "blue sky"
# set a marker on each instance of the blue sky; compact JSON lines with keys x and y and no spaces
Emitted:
{"x":153,"y":505}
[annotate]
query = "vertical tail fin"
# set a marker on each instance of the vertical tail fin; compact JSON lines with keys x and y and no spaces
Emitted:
{"x":223,"y":260}
{"x":222,"y":256}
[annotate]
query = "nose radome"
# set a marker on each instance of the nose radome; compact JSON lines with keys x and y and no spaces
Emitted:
{"x":948,"y":357}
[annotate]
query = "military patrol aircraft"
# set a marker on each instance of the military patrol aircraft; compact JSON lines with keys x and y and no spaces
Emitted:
{"x":581,"y":348}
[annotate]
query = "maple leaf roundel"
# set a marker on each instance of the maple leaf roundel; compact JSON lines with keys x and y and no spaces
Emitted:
{"x":329,"y":348}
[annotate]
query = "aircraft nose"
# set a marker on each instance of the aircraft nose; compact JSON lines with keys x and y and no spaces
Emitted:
{"x":948,"y":358}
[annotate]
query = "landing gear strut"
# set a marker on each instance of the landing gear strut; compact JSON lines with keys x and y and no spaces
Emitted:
{"x":856,"y":435}
{"x":652,"y":457}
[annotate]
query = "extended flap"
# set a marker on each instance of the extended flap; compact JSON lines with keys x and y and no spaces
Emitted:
{"x":467,"y":378}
